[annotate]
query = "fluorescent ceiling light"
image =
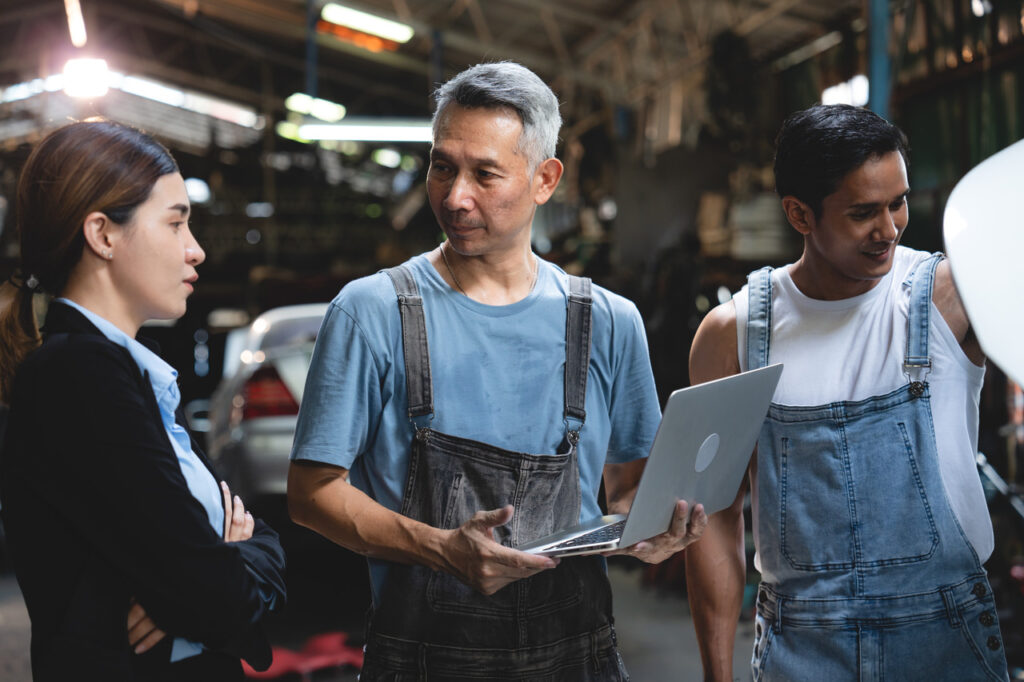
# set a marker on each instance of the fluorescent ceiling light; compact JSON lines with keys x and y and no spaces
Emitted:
{"x":370,"y":130}
{"x":91,"y":78}
{"x":191,"y":101}
{"x":31,"y":88}
{"x":86,"y":77}
{"x":289,"y":131}
{"x":367,"y":23}
{"x":323,"y":109}
{"x":853,"y":91}
{"x":76,"y":24}
{"x":158,"y":92}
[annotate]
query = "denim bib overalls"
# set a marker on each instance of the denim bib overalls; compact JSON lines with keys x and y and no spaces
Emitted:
{"x":554,"y":626}
{"x":866,"y":573}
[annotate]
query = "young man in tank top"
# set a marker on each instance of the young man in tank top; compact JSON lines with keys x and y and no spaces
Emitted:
{"x":869,"y":519}
{"x":471,"y":400}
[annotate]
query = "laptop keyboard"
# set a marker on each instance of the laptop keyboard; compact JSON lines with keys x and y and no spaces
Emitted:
{"x":594,"y":537}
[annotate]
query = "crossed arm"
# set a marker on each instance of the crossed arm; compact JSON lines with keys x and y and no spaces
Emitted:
{"x":143,"y":633}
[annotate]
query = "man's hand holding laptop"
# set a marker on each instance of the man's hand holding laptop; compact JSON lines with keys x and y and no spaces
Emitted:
{"x":621,"y":484}
{"x":683,"y":531}
{"x":700,"y":454}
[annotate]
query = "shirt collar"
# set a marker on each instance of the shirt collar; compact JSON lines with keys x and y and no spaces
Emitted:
{"x":161,"y":375}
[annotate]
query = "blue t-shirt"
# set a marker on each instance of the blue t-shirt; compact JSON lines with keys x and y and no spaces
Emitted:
{"x":497,"y":375}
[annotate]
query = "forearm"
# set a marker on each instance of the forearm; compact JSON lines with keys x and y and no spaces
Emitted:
{"x":620,"y":484}
{"x":716,"y":566}
{"x":322,"y":500}
{"x":264,"y":558}
{"x":715,"y":575}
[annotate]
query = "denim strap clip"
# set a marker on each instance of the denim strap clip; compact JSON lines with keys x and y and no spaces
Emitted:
{"x":917,"y":362}
{"x":415,"y":350}
{"x":578,"y":332}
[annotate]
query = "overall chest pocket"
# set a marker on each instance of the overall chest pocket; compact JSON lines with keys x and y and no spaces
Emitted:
{"x":452,"y":479}
{"x":537,"y":496}
{"x":854,"y":495}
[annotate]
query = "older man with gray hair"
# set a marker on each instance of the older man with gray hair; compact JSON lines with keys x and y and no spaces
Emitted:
{"x":435,"y":460}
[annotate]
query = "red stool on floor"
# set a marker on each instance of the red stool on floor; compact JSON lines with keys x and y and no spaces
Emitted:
{"x":320,"y":652}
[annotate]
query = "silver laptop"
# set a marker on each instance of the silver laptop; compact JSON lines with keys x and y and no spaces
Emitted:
{"x":700,"y":454}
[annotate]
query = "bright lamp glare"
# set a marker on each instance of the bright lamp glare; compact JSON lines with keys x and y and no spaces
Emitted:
{"x":86,"y":77}
{"x":323,"y":109}
{"x":198,"y":190}
{"x":367,"y":23}
{"x":327,"y":111}
{"x":369,"y":131}
{"x":853,"y":91}
{"x":91,"y":78}
{"x":299,"y":102}
{"x":76,"y":24}
{"x":389,"y":158}
{"x":158,"y":92}
{"x":289,"y":131}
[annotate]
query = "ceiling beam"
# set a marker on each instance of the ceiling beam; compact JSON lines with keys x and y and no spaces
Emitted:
{"x":24,"y":13}
{"x":200,"y":32}
{"x":591,"y":19}
{"x":762,"y":17}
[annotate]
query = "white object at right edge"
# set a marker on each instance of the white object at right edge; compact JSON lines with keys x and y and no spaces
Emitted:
{"x":983,"y":228}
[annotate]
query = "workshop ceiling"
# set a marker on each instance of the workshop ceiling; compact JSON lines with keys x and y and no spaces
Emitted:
{"x":594,"y":53}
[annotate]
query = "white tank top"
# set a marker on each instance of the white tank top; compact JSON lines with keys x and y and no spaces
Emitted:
{"x":853,"y":349}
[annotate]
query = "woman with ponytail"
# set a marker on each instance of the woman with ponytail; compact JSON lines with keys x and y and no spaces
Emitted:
{"x":134,"y":563}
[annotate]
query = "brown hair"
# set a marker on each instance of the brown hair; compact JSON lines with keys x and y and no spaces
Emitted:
{"x":76,"y":170}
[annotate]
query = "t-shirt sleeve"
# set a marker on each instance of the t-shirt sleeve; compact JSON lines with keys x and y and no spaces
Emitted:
{"x":635,"y":412}
{"x":341,"y":404}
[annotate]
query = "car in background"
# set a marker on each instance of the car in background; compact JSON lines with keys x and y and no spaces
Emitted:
{"x":252,"y":413}
{"x":250,"y":424}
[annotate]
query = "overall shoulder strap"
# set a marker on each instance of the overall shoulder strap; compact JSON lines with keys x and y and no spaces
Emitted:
{"x":577,"y":351}
{"x":759,"y":317}
{"x":414,"y":345}
{"x":917,"y":362}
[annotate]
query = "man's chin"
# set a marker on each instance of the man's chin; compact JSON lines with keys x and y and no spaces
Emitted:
{"x":464,"y":242}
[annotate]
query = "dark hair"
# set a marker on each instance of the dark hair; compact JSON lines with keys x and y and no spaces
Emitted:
{"x":76,"y":170}
{"x":818,"y":147}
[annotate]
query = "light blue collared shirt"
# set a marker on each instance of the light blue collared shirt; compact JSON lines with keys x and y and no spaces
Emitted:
{"x":201,"y":483}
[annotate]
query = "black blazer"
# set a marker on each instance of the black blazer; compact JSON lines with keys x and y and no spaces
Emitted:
{"x":96,"y":512}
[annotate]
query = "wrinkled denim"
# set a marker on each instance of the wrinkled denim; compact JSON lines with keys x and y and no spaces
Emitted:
{"x":554,"y":626}
{"x":867,"y":574}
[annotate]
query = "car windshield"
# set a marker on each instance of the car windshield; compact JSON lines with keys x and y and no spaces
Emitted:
{"x":291,"y":333}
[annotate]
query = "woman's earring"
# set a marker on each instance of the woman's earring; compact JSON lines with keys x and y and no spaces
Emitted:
{"x":108,"y":255}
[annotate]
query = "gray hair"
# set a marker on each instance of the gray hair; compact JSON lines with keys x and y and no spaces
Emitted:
{"x":508,"y":85}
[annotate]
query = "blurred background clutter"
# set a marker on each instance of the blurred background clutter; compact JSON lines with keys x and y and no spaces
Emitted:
{"x":302,"y":128}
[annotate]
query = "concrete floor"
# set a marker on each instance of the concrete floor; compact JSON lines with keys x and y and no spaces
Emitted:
{"x":656,"y":635}
{"x":654,"y":627}
{"x":14,"y":632}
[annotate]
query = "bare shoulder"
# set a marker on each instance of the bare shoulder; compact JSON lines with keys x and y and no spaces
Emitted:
{"x":714,"y":353}
{"x":947,"y":300}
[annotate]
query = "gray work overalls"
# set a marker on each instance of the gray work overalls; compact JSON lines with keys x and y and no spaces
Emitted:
{"x":554,"y":626}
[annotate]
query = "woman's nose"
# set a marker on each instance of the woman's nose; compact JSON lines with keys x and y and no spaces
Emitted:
{"x":194,"y":255}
